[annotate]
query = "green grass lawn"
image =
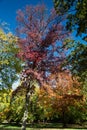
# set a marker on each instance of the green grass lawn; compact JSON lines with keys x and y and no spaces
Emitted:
{"x":43,"y":126}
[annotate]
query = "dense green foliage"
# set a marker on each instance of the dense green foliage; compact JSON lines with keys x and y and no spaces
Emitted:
{"x":42,"y":109}
{"x":76,"y":11}
{"x":10,"y":65}
{"x":77,"y":58}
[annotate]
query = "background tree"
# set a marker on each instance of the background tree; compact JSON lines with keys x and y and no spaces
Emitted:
{"x":76,"y":11}
{"x":77,"y":58}
{"x":10,"y":65}
{"x":76,"y":61}
{"x":39,"y":39}
{"x":63,"y":98}
{"x":4,"y":104}
{"x":16,"y":109}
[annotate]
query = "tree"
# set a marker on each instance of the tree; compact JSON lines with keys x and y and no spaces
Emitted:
{"x":16,"y":109}
{"x":67,"y":94}
{"x":10,"y":65}
{"x":62,"y":96}
{"x":76,"y":12}
{"x":76,"y":62}
{"x":4,"y":104}
{"x":39,"y":40}
{"x":76,"y":58}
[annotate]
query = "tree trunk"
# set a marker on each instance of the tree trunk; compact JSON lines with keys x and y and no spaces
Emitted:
{"x":64,"y":120}
{"x":25,"y":116}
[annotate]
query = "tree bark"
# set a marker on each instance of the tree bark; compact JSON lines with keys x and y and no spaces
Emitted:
{"x":63,"y":120}
{"x":25,"y":116}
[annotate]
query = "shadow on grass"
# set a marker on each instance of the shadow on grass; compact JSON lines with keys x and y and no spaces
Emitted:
{"x":33,"y":125}
{"x":6,"y":126}
{"x":39,"y":126}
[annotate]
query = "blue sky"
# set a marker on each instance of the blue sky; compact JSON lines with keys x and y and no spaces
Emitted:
{"x":8,"y":9}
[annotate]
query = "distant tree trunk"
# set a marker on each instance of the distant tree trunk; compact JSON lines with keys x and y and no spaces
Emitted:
{"x":25,"y":116}
{"x":63,"y":116}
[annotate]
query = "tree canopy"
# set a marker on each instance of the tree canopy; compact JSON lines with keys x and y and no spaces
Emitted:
{"x":76,"y":11}
{"x":40,"y":36}
{"x":77,"y":58}
{"x":10,"y":65}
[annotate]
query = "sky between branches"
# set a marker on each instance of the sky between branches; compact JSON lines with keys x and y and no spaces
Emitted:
{"x":8,"y":9}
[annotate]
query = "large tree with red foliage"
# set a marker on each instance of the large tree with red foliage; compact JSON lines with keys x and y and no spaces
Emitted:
{"x":41,"y":38}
